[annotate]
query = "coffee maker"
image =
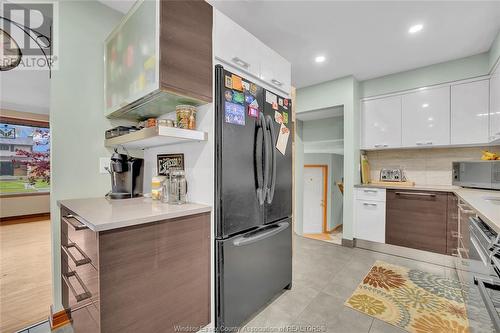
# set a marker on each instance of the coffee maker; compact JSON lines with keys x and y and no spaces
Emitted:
{"x":126,"y":176}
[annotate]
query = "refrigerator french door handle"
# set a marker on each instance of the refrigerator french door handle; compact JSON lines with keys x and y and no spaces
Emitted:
{"x":265,"y":167}
{"x":259,"y":143}
{"x":264,"y":233}
{"x":270,"y":126}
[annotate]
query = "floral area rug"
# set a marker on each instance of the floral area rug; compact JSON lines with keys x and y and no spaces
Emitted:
{"x":413,"y":300}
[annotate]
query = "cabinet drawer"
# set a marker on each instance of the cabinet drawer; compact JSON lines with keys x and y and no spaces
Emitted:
{"x":85,"y":319}
{"x":80,"y":284}
{"x":377,"y":194}
{"x":370,"y":220}
{"x":74,"y":231}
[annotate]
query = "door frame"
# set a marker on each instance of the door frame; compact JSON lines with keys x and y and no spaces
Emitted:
{"x":324,"y":168}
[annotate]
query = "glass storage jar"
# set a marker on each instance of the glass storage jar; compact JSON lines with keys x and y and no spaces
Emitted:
{"x":177,"y":187}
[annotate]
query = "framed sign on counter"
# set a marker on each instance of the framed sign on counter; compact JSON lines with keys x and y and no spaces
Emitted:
{"x":169,"y":161}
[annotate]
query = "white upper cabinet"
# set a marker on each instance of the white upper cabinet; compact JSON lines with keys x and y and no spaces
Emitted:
{"x":275,"y":70}
{"x":426,"y":117}
{"x":240,"y":49}
{"x":470,"y":112}
{"x":495,"y":105}
{"x":381,"y":123}
{"x":235,"y":46}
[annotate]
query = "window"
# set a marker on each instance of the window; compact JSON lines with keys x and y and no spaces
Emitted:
{"x":24,"y":158}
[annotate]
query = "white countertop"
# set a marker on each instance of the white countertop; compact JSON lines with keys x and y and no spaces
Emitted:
{"x":439,"y":188}
{"x":488,"y":210}
{"x":102,"y":214}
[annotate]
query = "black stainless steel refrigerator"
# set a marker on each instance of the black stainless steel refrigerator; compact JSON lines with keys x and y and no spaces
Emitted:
{"x":253,"y":231}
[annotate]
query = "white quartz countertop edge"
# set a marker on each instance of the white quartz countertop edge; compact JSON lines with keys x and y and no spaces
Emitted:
{"x":488,"y":211}
{"x":101,"y":214}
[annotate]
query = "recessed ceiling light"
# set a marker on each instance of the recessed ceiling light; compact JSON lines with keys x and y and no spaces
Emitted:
{"x":425,"y":105}
{"x":415,"y":28}
{"x":320,"y":59}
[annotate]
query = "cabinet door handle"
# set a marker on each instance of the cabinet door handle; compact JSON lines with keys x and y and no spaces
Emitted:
{"x":79,"y":297}
{"x":370,"y":191}
{"x":78,"y":262}
{"x":419,"y":194}
{"x":369,"y":204}
{"x":240,"y":62}
{"x":419,"y":143}
{"x":277,"y":82}
{"x":74,"y":222}
{"x":429,"y":143}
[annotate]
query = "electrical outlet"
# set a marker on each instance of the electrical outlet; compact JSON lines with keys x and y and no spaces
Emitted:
{"x":103,"y":164}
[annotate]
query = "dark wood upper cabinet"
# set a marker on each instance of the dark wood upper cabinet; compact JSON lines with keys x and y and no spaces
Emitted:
{"x":158,"y":57}
{"x":417,"y":219}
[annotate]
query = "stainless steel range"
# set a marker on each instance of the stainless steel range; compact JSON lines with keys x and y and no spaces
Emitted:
{"x":478,"y":267}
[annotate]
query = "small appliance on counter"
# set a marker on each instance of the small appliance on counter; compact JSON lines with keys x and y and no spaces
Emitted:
{"x":392,"y":175}
{"x":483,"y":174}
{"x":126,"y":176}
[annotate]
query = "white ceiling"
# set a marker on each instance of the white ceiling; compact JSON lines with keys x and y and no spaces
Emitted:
{"x":366,"y":38}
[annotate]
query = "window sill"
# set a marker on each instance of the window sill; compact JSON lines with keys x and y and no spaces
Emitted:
{"x":28,"y":194}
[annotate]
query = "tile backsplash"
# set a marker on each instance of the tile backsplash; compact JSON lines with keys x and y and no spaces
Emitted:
{"x":424,"y":166}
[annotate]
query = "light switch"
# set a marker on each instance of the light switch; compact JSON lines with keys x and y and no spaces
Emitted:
{"x":103,"y":164}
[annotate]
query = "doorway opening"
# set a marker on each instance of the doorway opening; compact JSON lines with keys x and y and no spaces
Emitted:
{"x":320,"y":137}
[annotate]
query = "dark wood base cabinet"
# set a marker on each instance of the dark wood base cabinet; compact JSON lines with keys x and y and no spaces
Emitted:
{"x":145,"y":278}
{"x":419,"y":220}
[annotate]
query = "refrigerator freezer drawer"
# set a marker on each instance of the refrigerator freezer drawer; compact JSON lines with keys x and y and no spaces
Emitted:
{"x":252,"y":269}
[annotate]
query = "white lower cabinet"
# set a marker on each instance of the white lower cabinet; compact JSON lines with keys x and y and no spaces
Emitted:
{"x":369,"y":216}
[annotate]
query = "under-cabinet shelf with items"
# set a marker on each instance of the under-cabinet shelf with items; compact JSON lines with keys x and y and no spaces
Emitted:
{"x":156,"y":136}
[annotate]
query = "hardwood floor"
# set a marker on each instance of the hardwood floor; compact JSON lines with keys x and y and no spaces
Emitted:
{"x":25,"y":274}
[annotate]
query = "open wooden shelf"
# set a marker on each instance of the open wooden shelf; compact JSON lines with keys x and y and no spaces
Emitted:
{"x":156,"y":136}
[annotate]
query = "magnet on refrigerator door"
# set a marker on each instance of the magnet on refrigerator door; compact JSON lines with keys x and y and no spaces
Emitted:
{"x":237,"y":82}
{"x":238,"y":97}
{"x":253,"y":112}
{"x":283,"y":139}
{"x":228,"y":82}
{"x":234,"y":113}
{"x":228,"y":95}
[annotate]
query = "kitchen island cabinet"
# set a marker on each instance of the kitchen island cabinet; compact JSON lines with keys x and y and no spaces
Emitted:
{"x":135,"y":274}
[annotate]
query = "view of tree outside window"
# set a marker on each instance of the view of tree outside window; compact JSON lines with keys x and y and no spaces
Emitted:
{"x":24,"y":159}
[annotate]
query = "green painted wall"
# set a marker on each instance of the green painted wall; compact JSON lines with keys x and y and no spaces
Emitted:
{"x":298,"y":178}
{"x":454,"y":70}
{"x":76,"y":113}
{"x":495,"y":51}
{"x":324,"y":129}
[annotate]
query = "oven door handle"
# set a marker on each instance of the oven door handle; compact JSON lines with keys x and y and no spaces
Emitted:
{"x":490,"y":307}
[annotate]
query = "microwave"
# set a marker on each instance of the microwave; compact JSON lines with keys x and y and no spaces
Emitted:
{"x":477,"y":174}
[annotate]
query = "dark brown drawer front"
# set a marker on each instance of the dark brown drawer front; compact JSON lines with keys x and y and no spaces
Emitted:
{"x":85,"y":320}
{"x":73,"y":231}
{"x":86,"y":280}
{"x":417,"y":219}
